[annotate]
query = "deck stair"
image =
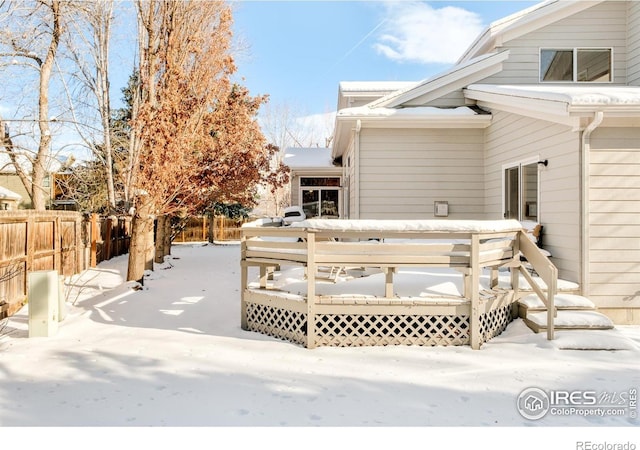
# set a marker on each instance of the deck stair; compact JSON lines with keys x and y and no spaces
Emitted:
{"x":574,"y":312}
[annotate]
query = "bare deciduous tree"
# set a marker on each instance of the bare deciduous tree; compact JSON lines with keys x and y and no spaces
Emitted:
{"x":88,"y":41}
{"x":38,"y":50}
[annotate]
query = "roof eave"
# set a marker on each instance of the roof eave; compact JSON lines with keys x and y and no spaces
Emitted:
{"x":345,"y":125}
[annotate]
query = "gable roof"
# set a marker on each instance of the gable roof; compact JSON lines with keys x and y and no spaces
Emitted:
{"x":443,"y":83}
{"x":523,"y":22}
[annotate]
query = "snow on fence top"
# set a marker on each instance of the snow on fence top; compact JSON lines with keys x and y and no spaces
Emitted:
{"x":452,"y":226}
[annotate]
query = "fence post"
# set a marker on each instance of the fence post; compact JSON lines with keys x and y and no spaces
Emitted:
{"x":94,"y":240}
{"x":57,"y":244}
{"x":106,"y":245}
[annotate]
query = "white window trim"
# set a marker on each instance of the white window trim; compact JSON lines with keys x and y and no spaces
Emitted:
{"x":519,"y":164}
{"x":575,"y":64}
{"x":323,"y":188}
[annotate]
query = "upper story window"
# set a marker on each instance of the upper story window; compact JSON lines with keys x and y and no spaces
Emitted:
{"x":576,"y":65}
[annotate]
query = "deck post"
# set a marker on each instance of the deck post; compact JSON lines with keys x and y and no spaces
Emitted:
{"x":388,"y":285}
{"x":311,"y":290}
{"x":244,"y":277}
{"x":552,"y":287}
{"x":474,"y":317}
{"x":264,"y":275}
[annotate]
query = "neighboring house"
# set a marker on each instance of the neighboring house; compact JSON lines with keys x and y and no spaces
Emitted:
{"x":8,"y":200}
{"x":10,"y":181}
{"x":315,"y":182}
{"x":539,"y":121}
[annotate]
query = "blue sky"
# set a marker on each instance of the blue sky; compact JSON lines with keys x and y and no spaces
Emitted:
{"x":298,"y":51}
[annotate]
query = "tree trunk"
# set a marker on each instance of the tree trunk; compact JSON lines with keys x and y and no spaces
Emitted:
{"x":161,"y":229}
{"x":141,"y":229}
{"x":39,"y":194}
{"x":167,"y":236}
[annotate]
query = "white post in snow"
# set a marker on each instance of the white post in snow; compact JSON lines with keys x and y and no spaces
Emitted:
{"x":311,"y":290}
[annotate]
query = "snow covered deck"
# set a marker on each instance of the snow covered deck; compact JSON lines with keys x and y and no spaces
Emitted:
{"x":320,"y":308}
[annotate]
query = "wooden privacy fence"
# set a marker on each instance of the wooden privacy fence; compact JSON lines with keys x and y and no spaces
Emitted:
{"x":69,"y":242}
{"x":204,"y":228}
{"x":65,"y":241}
{"x":109,"y":237}
{"x":35,"y":240}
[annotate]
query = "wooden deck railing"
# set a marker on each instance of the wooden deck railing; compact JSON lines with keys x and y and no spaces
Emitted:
{"x":469,"y":252}
{"x":545,"y":270}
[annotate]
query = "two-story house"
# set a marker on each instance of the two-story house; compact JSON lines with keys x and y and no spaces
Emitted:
{"x":539,"y":121}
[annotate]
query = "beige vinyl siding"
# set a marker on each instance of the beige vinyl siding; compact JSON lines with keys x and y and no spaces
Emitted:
{"x":12,"y":182}
{"x":514,"y":139}
{"x":614,"y":217}
{"x":403,"y":171}
{"x":633,"y":43}
{"x":602,"y":26}
{"x":349,"y":182}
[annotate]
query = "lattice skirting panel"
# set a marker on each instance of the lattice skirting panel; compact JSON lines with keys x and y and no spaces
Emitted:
{"x":277,"y":322}
{"x":356,"y":330}
{"x":495,"y":322}
{"x":353,"y":330}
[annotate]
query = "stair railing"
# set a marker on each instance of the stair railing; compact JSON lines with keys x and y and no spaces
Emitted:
{"x":545,"y":270}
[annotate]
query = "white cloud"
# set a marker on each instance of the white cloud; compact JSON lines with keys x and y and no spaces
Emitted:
{"x":417,"y":32}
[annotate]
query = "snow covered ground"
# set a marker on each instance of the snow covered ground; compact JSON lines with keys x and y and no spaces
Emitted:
{"x":172,"y":354}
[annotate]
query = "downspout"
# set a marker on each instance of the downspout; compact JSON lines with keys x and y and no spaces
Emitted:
{"x":586,"y":164}
{"x":356,"y":162}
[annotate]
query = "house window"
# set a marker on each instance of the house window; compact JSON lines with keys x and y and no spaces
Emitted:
{"x":320,"y":197}
{"x":576,"y":65}
{"x":521,"y":187}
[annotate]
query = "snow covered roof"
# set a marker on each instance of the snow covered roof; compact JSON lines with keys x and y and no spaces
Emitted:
{"x":522,"y":22}
{"x":417,"y":112}
{"x":373,"y":86}
{"x":571,"y":95}
{"x":367,"y":91}
{"x":301,"y":158}
{"x":6,"y":194}
{"x":567,"y":101}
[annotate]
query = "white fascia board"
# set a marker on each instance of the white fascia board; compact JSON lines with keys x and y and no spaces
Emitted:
{"x":521,"y":110}
{"x":341,"y":137}
{"x":455,"y":78}
{"x":555,"y":107}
